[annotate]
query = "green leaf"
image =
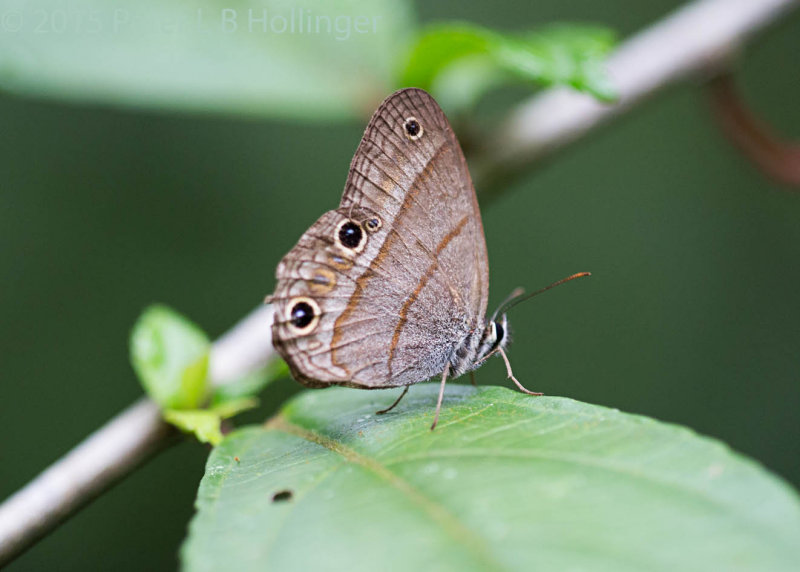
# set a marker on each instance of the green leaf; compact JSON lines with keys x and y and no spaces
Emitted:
{"x":566,"y":54}
{"x":460,"y":62}
{"x":438,"y":46}
{"x":505,"y":482}
{"x":204,"y":424}
{"x":170,"y":355}
{"x":247,"y":56}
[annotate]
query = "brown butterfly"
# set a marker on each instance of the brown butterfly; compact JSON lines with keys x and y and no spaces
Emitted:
{"x":390,"y":289}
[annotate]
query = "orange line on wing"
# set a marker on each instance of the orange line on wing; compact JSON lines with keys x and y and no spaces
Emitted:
{"x":362,"y":280}
{"x":422,"y":282}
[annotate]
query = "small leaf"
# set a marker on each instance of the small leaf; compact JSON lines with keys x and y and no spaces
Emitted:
{"x":204,"y":424}
{"x":438,"y":46}
{"x":505,"y":482}
{"x":194,"y":382}
{"x":170,"y":355}
{"x":567,"y":54}
{"x":465,"y":60}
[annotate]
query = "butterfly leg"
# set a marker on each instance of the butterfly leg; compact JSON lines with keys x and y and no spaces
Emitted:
{"x":472,"y":378}
{"x":511,"y":375}
{"x":441,"y":395}
{"x":396,"y":401}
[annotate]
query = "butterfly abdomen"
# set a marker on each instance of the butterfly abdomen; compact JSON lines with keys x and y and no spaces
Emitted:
{"x":463,"y":356}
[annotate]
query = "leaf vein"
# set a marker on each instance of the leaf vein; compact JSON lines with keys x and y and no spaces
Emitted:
{"x":449,"y":523}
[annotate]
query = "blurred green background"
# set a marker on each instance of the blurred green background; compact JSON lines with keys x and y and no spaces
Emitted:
{"x":691,"y":315}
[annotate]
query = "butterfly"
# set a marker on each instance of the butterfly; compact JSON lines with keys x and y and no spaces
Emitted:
{"x":391,"y":288}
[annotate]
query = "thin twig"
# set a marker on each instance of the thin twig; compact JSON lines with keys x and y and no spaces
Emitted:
{"x":775,"y":156}
{"x":698,"y":36}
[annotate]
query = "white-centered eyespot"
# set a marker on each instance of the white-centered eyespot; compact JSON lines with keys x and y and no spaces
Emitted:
{"x":350,"y":236}
{"x":373,"y":224}
{"x":413,"y":128}
{"x":302,"y":315}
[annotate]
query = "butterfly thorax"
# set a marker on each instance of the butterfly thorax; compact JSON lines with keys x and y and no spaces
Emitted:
{"x":477,"y":346}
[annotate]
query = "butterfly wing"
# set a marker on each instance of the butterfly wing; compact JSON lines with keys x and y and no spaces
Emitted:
{"x":397,"y":276}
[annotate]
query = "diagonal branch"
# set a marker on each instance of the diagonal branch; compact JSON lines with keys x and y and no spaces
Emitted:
{"x":701,"y":35}
{"x":696,"y":39}
{"x":119,"y":446}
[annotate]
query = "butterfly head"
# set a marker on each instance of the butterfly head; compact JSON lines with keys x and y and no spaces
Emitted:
{"x":495,"y":337}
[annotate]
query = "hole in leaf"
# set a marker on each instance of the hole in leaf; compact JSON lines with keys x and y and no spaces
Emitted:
{"x":282,"y":496}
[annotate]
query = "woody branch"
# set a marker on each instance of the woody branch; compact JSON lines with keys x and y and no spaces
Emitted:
{"x":696,"y":41}
{"x":699,"y":36}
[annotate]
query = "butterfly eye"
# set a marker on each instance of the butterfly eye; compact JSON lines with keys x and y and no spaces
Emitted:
{"x":499,"y":332}
{"x":302,"y":315}
{"x":350,"y":236}
{"x":413,"y":128}
{"x":373,"y":224}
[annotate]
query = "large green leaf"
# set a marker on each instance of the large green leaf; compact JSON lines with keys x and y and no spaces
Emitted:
{"x":505,"y":482}
{"x":311,"y":60}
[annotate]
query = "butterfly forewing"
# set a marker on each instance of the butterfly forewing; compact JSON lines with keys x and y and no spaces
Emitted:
{"x":398,"y":293}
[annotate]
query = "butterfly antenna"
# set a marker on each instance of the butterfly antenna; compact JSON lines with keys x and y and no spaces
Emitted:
{"x":515,"y":293}
{"x":516,"y":296}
